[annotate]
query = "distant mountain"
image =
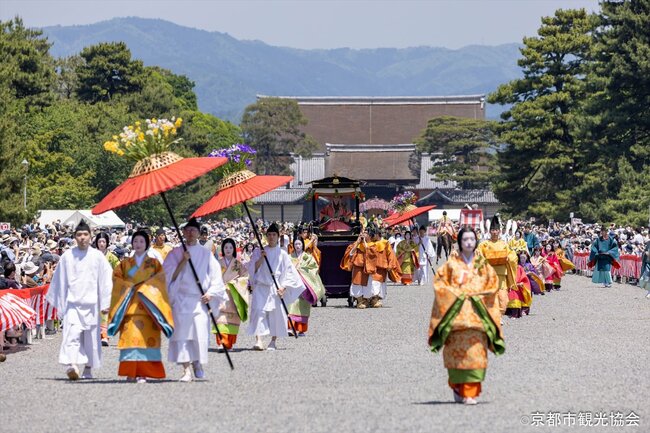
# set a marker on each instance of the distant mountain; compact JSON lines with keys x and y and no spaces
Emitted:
{"x":229,"y":72}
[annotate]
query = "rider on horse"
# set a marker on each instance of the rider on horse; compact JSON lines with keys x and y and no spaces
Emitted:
{"x":445,"y":235}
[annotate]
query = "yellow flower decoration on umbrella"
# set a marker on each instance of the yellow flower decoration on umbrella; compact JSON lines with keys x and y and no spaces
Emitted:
{"x":136,"y":142}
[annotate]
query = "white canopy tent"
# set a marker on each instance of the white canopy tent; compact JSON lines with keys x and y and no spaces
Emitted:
{"x":107,"y":219}
{"x":50,"y":216}
{"x":436,"y":214}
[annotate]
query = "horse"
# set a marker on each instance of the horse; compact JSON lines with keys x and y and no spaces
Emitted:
{"x":444,"y":242}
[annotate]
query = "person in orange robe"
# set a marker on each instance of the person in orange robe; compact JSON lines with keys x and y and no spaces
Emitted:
{"x":384,"y":260}
{"x":140,"y":311}
{"x":465,"y":318}
{"x":356,"y":260}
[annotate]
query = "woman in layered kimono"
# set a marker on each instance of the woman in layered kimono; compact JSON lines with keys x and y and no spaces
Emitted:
{"x":518,"y":243}
{"x":466,"y":318}
{"x":307,"y":267}
{"x":554,"y":279}
{"x":520,"y":297}
{"x":140,"y":311}
{"x":565,"y":263}
{"x":541,"y":266}
{"x":235,"y":310}
{"x":536,"y":283}
{"x":407,"y":255}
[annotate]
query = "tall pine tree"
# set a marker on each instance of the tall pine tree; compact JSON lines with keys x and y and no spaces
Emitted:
{"x":542,"y":162}
{"x":617,"y":125}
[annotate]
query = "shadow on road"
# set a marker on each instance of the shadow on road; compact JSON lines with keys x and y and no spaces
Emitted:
{"x":433,"y":403}
{"x":95,"y":381}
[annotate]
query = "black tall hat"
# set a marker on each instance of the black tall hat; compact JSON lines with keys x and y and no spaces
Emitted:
{"x":82,"y":226}
{"x":273,"y":228}
{"x":193,"y":223}
{"x":495,"y":223}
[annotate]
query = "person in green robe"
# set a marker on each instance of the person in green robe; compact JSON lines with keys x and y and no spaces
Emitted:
{"x":603,"y":255}
{"x":307,"y":267}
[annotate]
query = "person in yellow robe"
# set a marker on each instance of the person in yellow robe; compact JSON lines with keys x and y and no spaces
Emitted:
{"x":139,"y":312}
{"x":503,"y":259}
{"x":518,"y":244}
{"x":407,"y":255}
{"x":160,"y":244}
{"x":466,"y":317}
{"x":235,"y":309}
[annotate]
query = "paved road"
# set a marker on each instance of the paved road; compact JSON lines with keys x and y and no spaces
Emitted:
{"x":584,"y":349}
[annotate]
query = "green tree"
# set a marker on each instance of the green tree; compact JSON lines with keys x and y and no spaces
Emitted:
{"x":182,"y":88}
{"x":272,"y":126}
{"x":108,"y":70}
{"x":462,"y":150}
{"x":26,"y":74}
{"x":542,"y":161}
{"x":203,"y":132}
{"x":26,"y":63}
{"x":11,"y":175}
{"x":617,"y":124}
{"x":155,"y":98}
{"x":631,"y":204}
{"x":67,"y":81}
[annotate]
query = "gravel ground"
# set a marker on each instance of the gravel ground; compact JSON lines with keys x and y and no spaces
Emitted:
{"x":583,"y":349}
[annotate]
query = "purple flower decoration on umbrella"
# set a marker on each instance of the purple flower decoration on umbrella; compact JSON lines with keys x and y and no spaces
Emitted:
{"x":240,"y":156}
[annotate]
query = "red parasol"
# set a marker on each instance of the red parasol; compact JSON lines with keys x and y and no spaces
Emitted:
{"x":157,"y":174}
{"x":154,"y":176}
{"x":398,"y":218}
{"x":237,"y":188}
{"x":234,"y":190}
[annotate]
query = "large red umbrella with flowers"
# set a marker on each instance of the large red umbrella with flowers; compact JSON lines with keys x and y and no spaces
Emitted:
{"x":157,"y":175}
{"x":157,"y":170}
{"x":237,"y":188}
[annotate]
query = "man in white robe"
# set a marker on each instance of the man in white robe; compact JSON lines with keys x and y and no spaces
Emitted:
{"x":189,"y":343}
{"x":80,"y":290}
{"x":426,"y":255}
{"x":267,"y":316}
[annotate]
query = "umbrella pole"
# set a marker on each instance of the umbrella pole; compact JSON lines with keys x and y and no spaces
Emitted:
{"x":268,"y":265}
{"x":196,"y":278}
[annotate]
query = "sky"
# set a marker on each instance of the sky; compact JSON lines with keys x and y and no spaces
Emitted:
{"x":318,"y":24}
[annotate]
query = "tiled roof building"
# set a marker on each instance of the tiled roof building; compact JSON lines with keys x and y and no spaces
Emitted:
{"x":371,"y":139}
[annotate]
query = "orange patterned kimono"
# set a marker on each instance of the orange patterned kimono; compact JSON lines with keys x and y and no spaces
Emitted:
{"x":139,"y":314}
{"x":465,"y":319}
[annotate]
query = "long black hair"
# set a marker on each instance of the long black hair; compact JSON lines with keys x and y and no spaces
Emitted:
{"x":234,"y":247}
{"x":299,"y":239}
{"x":145,"y":235}
{"x":101,"y":235}
{"x":466,"y":229}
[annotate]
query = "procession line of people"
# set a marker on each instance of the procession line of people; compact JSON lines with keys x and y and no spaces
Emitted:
{"x":144,"y":298}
